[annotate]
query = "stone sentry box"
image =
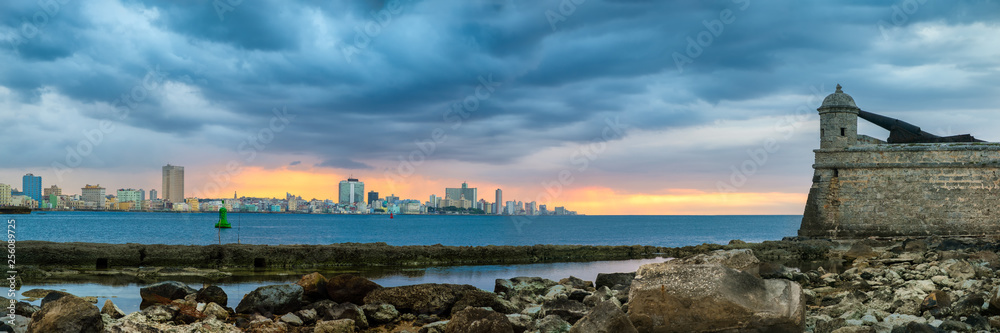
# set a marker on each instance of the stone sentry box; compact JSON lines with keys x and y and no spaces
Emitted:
{"x":865,"y":187}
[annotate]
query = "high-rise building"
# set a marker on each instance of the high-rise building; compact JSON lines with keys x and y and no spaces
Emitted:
{"x":4,"y":195}
{"x":32,"y":186}
{"x":152,"y":194}
{"x":351,"y":191}
{"x":51,"y":190}
{"x":93,"y":196}
{"x":511,"y":207}
{"x":465,"y":192}
{"x":372,"y":196}
{"x":142,"y":194}
{"x":498,"y":203}
{"x":129,"y":195}
{"x":173,"y":183}
{"x":391,"y":199}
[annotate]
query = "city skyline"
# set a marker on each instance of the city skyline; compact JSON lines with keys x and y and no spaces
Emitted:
{"x":615,"y":107}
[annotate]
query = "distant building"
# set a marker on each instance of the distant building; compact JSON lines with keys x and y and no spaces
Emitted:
{"x":351,"y":191}
{"x":372,"y":196}
{"x":173,"y":183}
{"x":52,"y":190}
{"x":32,"y":186}
{"x":142,"y":194}
{"x":129,"y":195}
{"x":93,"y":196}
{"x":465,"y":192}
{"x":511,"y":207}
{"x":498,"y":209}
{"x":4,"y":195}
{"x":391,"y":199}
{"x":561,"y":211}
{"x":152,"y":195}
{"x":543,"y":210}
{"x":193,"y":204}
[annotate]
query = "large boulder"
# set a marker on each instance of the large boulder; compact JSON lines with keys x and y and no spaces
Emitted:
{"x":606,"y":317}
{"x":335,"y":326}
{"x":672,"y":297}
{"x":275,"y":299}
{"x":552,"y":324}
{"x":344,"y":311}
{"x":112,"y":310}
{"x":478,"y":320}
{"x":611,"y":280}
{"x":523,"y":289}
{"x":212,"y":294}
{"x":169,"y":290}
{"x":68,"y":314}
{"x":349,"y":288}
{"x":433,"y":298}
{"x":380,"y":313}
{"x":481,"y":298}
{"x":313,"y":286}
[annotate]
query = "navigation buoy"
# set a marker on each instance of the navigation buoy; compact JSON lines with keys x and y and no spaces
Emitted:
{"x":223,"y":223}
{"x":390,"y":215}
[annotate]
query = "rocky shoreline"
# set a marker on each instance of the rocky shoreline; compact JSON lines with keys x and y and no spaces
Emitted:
{"x":870,"y":285}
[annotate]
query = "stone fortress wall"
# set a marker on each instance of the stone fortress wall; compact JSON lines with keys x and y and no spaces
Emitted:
{"x":866,"y":187}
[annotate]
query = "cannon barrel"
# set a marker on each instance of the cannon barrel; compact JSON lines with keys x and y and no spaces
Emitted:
{"x":893,"y":124}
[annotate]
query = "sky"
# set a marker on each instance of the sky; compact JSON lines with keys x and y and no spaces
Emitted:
{"x":605,"y":107}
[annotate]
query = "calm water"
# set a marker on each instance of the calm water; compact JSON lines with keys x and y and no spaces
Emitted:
{"x":274,"y":229}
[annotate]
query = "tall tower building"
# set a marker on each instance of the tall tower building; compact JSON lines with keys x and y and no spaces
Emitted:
{"x":52,"y":190}
{"x":32,"y":186}
{"x":152,"y":194}
{"x":351,"y":191}
{"x":4,"y":195}
{"x":372,"y":196}
{"x":93,"y":196}
{"x":498,"y":204}
{"x":173,"y":183}
{"x":457,"y":194}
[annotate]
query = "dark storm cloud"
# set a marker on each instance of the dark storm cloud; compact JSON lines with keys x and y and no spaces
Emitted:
{"x":554,"y":82}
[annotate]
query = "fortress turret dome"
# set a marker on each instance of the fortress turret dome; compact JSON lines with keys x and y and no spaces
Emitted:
{"x":838,"y":98}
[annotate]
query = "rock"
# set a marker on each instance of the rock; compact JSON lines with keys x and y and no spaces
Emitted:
{"x":740,"y":259}
{"x":53,"y":295}
{"x":67,"y":314}
{"x":380,"y":313}
{"x":555,"y":292}
{"x":611,"y":280}
{"x":308,"y":316}
{"x":600,"y":295}
{"x":914,"y":327}
{"x":960,"y":270}
{"x":344,"y":311}
{"x":24,"y":308}
{"x":435,"y":327}
{"x":212,"y":294}
{"x":552,"y":324}
{"x":854,"y":329}
{"x":520,"y":322}
{"x":896,"y":320}
{"x":576,"y":282}
{"x":937,"y":302}
{"x":267,"y":325}
{"x":523,"y":290}
{"x":168,"y":290}
{"x":335,"y":326}
{"x":431,"y":298}
{"x":859,"y":250}
{"x":136,"y":322}
{"x":478,"y":320}
{"x":534,"y":311}
{"x":567,"y":309}
{"x":216,"y":310}
{"x":578,"y":295}
{"x":291,"y":319}
{"x":662,"y":296}
{"x":160,"y":312}
{"x":969,"y":305}
{"x":606,"y":317}
{"x":480,"y":298}
{"x":112,"y":310}
{"x":274,"y":299}
{"x":349,"y":288}
{"x":314,"y":287}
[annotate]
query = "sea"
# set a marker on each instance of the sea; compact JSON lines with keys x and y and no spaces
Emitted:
{"x":454,"y":230}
